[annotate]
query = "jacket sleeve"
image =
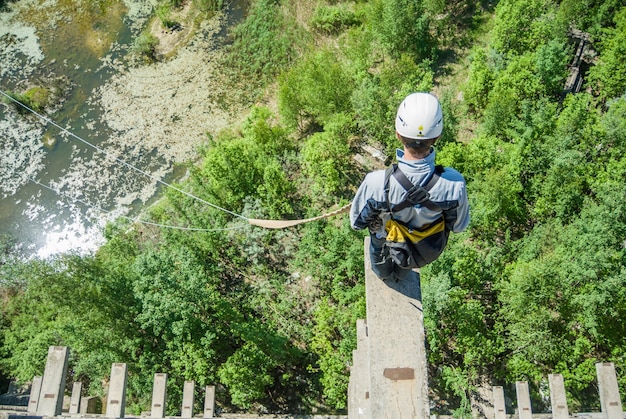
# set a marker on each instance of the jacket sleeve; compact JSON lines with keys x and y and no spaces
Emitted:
{"x":462,"y":212}
{"x":366,"y":208}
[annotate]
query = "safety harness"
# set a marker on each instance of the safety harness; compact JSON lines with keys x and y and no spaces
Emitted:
{"x":414,"y":248}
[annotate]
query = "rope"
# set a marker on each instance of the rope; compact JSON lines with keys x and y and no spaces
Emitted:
{"x":49,"y":121}
{"x":135,"y":220}
{"x":271,"y":224}
{"x":291,"y":223}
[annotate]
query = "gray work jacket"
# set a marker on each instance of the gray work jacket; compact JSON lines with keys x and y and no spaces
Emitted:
{"x":370,"y":196}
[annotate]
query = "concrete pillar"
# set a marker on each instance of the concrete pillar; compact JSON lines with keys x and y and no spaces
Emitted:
{"x":33,"y":399}
{"x":523,"y":400}
{"x":75,"y":400}
{"x":186,"y":410}
{"x":53,"y":382}
{"x":358,"y":407}
{"x":209,"y":402}
{"x":499,"y":406}
{"x":398,"y":379}
{"x":159,"y":396}
{"x":116,"y":400}
{"x":557,"y":397}
{"x":609,"y":391}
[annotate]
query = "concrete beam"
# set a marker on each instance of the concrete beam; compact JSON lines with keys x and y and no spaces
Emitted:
{"x":499,"y":405}
{"x":77,"y":389}
{"x":398,"y":376}
{"x":610,"y":400}
{"x":358,"y":402}
{"x":116,"y":400}
{"x":209,"y":402}
{"x":186,"y":410}
{"x":53,"y":382}
{"x":35,"y":390}
{"x":159,"y":396}
{"x":557,"y":396}
{"x":523,"y":400}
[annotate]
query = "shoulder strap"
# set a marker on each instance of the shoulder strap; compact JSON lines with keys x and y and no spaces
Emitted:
{"x":416,"y":194}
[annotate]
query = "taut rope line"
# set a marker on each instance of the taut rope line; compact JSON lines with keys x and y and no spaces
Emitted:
{"x":134,"y":220}
{"x":49,"y":121}
{"x":270,"y":224}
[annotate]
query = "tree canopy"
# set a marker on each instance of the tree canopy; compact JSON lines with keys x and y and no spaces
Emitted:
{"x":535,"y":286}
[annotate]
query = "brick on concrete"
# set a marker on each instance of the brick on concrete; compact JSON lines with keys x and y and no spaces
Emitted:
{"x":610,"y":400}
{"x":116,"y":399}
{"x":77,"y":389}
{"x":523,"y":400}
{"x":186,"y":410}
{"x":557,"y":396}
{"x":209,"y":402}
{"x":159,"y":395}
{"x":398,"y":377}
{"x":53,"y":382}
{"x":35,"y":390}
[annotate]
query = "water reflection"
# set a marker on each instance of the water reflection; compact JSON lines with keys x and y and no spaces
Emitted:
{"x":150,"y":116}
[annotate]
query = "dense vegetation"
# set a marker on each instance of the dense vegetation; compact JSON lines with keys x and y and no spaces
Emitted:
{"x":535,"y":286}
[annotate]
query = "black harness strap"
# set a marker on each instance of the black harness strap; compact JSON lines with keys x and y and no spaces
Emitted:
{"x":415,"y":194}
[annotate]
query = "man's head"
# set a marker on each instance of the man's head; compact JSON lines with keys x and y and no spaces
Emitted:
{"x":419,"y":122}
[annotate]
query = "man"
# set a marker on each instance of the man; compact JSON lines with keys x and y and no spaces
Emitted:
{"x":419,"y":124}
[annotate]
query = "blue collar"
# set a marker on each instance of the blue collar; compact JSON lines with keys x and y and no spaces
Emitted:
{"x":425,"y":165}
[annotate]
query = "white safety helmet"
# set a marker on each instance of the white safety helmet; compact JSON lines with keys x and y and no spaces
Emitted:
{"x":419,"y":117}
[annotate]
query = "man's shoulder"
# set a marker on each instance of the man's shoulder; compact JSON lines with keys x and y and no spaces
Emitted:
{"x":375,"y":177}
{"x":452,"y":175}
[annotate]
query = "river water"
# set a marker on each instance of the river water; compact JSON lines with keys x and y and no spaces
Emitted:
{"x":56,"y":191}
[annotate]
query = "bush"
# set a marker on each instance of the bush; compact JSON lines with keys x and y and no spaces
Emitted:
{"x":35,"y":98}
{"x":333,"y":19}
{"x":262,"y":45}
{"x":314,"y":90}
{"x":145,"y":46}
{"x":208,"y":5}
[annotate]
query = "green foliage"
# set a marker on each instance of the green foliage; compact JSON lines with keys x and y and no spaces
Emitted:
{"x":326,"y":157}
{"x":246,"y":373}
{"x":145,"y":46}
{"x":314,"y":89}
{"x":164,"y":12}
{"x":262,"y":44}
{"x":376,"y":98}
{"x":333,"y":19}
{"x":209,"y":5}
{"x":333,"y":256}
{"x":36,"y":98}
{"x":250,"y":165}
{"x":402,"y":27}
{"x":480,"y":81}
{"x":609,"y":76}
{"x":521,"y":25}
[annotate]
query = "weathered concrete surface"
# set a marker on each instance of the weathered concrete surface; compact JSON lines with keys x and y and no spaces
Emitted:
{"x":523,"y":400}
{"x":499,"y":405}
{"x":35,"y":390}
{"x":186,"y":410}
{"x":209,"y":402}
{"x":610,"y":400}
{"x":77,"y":389}
{"x":399,"y":382}
{"x":53,"y":382}
{"x":557,"y":396}
{"x":358,"y":402}
{"x":116,"y":399}
{"x":159,"y":396}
